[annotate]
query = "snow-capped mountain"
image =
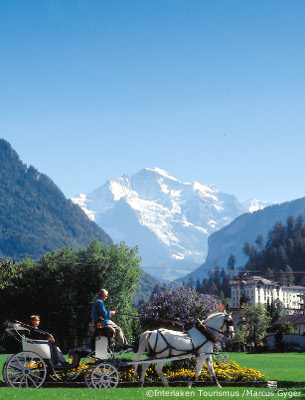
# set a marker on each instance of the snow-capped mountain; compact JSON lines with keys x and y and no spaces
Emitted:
{"x":168,"y":220}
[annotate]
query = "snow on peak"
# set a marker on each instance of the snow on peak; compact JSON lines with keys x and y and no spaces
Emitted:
{"x":169,"y":220}
{"x":206,"y":191}
{"x":81,"y":200}
{"x":120,"y":188}
{"x":253,"y":205}
{"x":163,"y":173}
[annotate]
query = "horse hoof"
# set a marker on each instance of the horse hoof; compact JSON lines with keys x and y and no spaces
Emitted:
{"x":189,"y":384}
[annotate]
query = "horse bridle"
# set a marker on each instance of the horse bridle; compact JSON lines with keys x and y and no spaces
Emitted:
{"x":205,"y":329}
{"x":228,"y":322}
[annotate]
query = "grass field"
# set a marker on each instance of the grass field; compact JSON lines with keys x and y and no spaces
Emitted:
{"x":277,"y":366}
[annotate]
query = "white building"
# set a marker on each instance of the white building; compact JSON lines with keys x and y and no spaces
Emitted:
{"x":256,"y":289}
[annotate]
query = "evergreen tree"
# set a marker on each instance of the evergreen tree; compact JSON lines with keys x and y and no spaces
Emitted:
{"x":260,"y":242}
{"x":231,"y":262}
{"x":284,"y":251}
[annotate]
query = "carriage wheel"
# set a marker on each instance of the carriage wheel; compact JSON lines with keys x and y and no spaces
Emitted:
{"x":4,"y":371}
{"x":87,"y":376}
{"x":25,"y":369}
{"x":104,"y":376}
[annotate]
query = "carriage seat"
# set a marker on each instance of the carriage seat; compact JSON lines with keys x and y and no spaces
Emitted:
{"x":77,"y":353}
{"x":41,"y":347}
{"x":106,"y":331}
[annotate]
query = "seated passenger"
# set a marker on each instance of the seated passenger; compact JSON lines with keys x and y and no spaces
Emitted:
{"x":39,"y":334}
{"x":99,"y":315}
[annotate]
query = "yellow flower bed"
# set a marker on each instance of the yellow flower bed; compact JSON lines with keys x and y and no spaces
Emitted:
{"x":229,"y":372}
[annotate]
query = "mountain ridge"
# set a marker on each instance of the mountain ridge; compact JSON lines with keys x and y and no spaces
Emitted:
{"x":35,"y":216}
{"x":245,"y":228}
{"x":169,"y":219}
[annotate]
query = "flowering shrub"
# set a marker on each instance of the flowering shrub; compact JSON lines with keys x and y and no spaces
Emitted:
{"x":177,"y":303}
{"x":176,"y":371}
{"x":229,"y":372}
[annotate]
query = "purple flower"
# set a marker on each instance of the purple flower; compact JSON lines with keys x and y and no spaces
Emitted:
{"x":177,"y":303}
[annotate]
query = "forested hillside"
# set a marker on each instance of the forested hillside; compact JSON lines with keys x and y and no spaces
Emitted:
{"x":281,"y":254}
{"x":246,"y":228}
{"x":35,"y":216}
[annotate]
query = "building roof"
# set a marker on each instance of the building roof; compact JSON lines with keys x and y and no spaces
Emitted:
{"x":266,"y":281}
{"x":295,"y":319}
{"x":254,"y":280}
{"x":294,"y":287}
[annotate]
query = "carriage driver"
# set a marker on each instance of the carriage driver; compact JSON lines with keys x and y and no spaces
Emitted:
{"x":99,"y":313}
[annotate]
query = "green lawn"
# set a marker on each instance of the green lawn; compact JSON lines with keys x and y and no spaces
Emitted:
{"x":277,"y":366}
{"x":151,"y":393}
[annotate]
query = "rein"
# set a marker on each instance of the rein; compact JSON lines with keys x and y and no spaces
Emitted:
{"x":172,"y":321}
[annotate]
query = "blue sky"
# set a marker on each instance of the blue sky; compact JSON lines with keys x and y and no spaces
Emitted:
{"x":212,"y":91}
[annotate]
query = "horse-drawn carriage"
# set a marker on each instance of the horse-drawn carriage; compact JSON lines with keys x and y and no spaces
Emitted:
{"x":35,"y":364}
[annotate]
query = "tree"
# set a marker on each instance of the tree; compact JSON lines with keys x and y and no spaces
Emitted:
{"x":8,"y":270}
{"x":287,"y":328}
{"x":254,"y":323}
{"x":290,"y":226}
{"x":156,"y":290}
{"x":260,"y":242}
{"x":177,"y":304}
{"x":247,"y":249}
{"x":62,"y":286}
{"x":283,"y":250}
{"x":275,"y":310}
{"x":191,"y":282}
{"x":277,"y":235}
{"x":290,"y":275}
{"x":231,"y":262}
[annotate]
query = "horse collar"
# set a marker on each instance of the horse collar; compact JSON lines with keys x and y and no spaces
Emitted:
{"x":205,"y":331}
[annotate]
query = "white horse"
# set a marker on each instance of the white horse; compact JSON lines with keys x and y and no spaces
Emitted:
{"x":198,"y":341}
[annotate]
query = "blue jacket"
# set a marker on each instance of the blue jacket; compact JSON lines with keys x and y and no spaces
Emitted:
{"x":99,"y":310}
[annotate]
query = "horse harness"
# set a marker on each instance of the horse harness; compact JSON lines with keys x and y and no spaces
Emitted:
{"x":205,"y":331}
{"x":209,"y":337}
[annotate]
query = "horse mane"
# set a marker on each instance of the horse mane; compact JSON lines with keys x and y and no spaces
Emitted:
{"x":215,"y":314}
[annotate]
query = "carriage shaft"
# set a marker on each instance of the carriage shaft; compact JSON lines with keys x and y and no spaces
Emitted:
{"x":156,"y":360}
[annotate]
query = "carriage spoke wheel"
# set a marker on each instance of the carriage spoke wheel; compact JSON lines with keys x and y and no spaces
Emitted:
{"x":104,"y":376}
{"x":4,"y":372}
{"x":25,"y":369}
{"x":87,"y":376}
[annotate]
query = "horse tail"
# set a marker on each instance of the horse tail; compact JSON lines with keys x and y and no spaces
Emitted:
{"x":145,"y":340}
{"x":149,"y":349}
{"x":143,"y":346}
